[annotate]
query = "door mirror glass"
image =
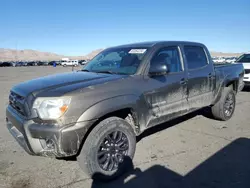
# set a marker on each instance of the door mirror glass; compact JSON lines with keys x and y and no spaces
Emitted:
{"x":158,"y":69}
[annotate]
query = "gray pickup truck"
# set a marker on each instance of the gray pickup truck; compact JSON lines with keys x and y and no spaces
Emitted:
{"x":95,"y":114}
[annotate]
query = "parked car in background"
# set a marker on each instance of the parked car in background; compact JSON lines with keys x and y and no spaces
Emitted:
{"x":52,"y":63}
{"x":230,"y":59}
{"x":8,"y":64}
{"x":70,"y":63}
{"x":56,"y":62}
{"x":64,"y":61}
{"x":219,"y":60}
{"x":82,"y":62}
{"x":39,"y":63}
{"x":245,"y":60}
{"x":1,"y":64}
{"x":21,"y":64}
{"x":42,"y":63}
{"x":32,"y":63}
{"x":13,"y":64}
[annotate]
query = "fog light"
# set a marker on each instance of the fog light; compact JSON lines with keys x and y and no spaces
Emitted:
{"x":50,"y":144}
{"x":47,"y":144}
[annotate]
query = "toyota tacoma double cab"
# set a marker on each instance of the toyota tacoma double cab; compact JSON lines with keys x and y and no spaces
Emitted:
{"x":96,"y":113}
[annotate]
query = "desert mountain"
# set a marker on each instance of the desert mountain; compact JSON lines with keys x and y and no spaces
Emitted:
{"x":223,"y":54}
{"x":33,"y":55}
{"x":28,"y":55}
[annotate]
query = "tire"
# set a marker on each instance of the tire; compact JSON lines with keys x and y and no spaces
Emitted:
{"x":219,"y":110}
{"x":88,"y":157}
{"x":64,"y":65}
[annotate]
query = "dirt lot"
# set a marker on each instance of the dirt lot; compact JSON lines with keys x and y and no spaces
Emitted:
{"x":193,"y":151}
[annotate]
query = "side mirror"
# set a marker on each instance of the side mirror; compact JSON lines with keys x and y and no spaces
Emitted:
{"x":158,"y":69}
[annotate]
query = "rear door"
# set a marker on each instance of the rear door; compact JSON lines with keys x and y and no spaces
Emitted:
{"x":201,"y":76}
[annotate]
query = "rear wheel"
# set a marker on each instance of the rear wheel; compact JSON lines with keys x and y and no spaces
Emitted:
{"x":224,"y":108}
{"x":110,"y":141}
{"x":64,"y":65}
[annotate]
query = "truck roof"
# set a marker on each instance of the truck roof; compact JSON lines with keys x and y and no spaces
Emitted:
{"x":148,"y":44}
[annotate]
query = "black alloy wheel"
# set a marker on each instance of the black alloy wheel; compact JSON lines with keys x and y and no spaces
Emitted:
{"x":229,"y":104}
{"x":112,"y":150}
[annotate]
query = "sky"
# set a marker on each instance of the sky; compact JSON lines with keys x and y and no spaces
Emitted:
{"x":76,"y":27}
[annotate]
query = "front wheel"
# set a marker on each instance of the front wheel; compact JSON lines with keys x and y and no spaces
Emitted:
{"x":224,"y":108}
{"x":108,"y":144}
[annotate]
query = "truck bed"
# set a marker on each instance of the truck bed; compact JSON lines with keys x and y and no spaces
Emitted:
{"x":223,"y":64}
{"x":230,"y":70}
{"x":229,"y":67}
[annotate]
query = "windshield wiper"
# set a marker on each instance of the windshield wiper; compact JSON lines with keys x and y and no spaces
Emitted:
{"x":84,"y":70}
{"x":107,"y":72}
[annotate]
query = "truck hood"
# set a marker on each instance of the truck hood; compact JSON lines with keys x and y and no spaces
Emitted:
{"x":60,"y":80}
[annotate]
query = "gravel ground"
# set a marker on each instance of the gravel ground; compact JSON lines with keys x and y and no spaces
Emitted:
{"x":193,"y":151}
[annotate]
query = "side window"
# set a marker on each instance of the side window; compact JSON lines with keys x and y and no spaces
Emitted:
{"x":244,"y":58}
{"x":169,"y":56}
{"x":195,"y":56}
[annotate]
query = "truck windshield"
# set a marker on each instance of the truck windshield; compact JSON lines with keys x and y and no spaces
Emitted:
{"x":244,"y":58}
{"x":117,"y":61}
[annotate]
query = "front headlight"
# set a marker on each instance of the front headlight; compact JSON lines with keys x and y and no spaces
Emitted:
{"x":51,"y":108}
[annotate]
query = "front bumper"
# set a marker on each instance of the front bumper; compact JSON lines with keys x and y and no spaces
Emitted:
{"x":46,"y":139}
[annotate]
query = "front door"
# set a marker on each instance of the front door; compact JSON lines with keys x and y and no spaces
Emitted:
{"x":167,"y":97}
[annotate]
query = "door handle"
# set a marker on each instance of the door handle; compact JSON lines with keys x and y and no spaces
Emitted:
{"x":210,"y":76}
{"x":183,"y":81}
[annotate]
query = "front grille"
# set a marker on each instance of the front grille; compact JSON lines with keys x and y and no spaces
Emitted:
{"x":18,"y":103}
{"x":247,"y":71}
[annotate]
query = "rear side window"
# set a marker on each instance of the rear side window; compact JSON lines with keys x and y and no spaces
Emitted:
{"x":244,"y":58}
{"x":195,"y":56}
